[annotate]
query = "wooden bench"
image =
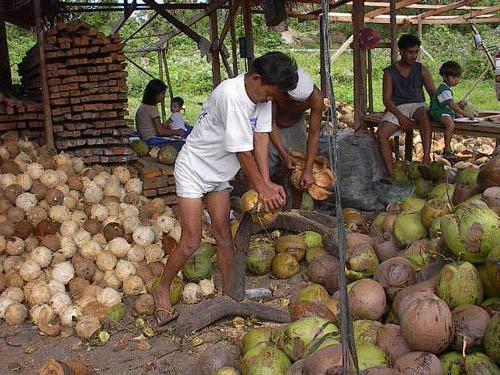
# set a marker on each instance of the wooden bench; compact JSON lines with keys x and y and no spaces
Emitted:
{"x":478,"y":129}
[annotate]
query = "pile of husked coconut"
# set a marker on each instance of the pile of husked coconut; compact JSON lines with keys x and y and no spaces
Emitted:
{"x":75,"y":239}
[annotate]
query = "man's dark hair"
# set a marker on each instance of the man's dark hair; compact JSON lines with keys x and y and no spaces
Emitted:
{"x":178,"y":100}
{"x":276,"y":69}
{"x":450,"y":68}
{"x":408,"y":41}
{"x":152,"y":90}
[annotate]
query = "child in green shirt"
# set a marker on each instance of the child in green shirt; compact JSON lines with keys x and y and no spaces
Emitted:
{"x":443,"y":109}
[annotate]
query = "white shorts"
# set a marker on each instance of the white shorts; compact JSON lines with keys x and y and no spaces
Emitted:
{"x":188,"y":183}
{"x":406,"y":109}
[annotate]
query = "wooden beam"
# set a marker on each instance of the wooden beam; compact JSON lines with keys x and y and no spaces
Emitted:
{"x":386,"y":4}
{"x":140,"y":68}
{"x":393,"y":31}
{"x":127,"y":12}
{"x":359,"y":61}
{"x":445,"y":8}
{"x":214,"y":48}
{"x":399,"y":5}
{"x":160,"y":72}
{"x":5,"y":74}
{"x":342,"y":49}
{"x":150,"y":19}
{"x":233,"y":8}
{"x":247,"y":24}
{"x":167,"y":73}
{"x":410,"y":20}
{"x":482,"y":12}
{"x":234,"y":49}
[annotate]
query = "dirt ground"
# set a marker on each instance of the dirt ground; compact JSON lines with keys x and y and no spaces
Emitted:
{"x":129,"y":351}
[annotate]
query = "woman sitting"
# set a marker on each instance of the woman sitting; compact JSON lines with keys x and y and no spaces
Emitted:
{"x":147,"y":117}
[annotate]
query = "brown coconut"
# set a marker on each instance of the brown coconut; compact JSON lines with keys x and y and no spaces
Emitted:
{"x":46,"y":227}
{"x":144,"y":272}
{"x":153,"y":208}
{"x":11,"y":192}
{"x":489,"y":174}
{"x":394,"y":275}
{"x":132,"y":198}
{"x":427,"y":325}
{"x":402,"y":296}
{"x":419,"y":363}
{"x":492,"y":198}
{"x":380,"y":371}
{"x":93,"y":226}
{"x":386,"y":247}
{"x":215,"y":357}
{"x":75,"y":183}
{"x":7,"y":229}
{"x":5,"y":205}
{"x":23,"y":229}
{"x":96,"y":309}
{"x":113,"y":230}
{"x":13,"y":279}
{"x":13,"y":149}
{"x":39,"y":190}
{"x":77,"y":287}
{"x":144,"y":304}
{"x":299,"y":310}
{"x":324,"y":271}
{"x":52,"y":242}
{"x":389,"y":339}
{"x":325,"y":361}
{"x":67,"y":168}
{"x":31,"y":243}
{"x":36,"y":214}
{"x":46,"y":161}
{"x":469,"y":322}
{"x":10,"y":167}
{"x":54,"y":197}
{"x":168,"y":244}
{"x":297,"y":368}
{"x":109,"y":199}
{"x":83,"y":267}
{"x":367,"y":300}
{"x":430,"y":272}
{"x":16,"y":214}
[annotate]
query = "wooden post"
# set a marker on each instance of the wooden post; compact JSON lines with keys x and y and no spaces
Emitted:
{"x":369,"y":71}
{"x":359,"y":60}
{"x":6,"y":80}
{"x":419,"y":33}
{"x":247,"y":24}
{"x":160,"y":73}
{"x":47,"y":112}
{"x":234,"y":49}
{"x":167,"y":73}
{"x":394,"y":57}
{"x":322,"y":67}
{"x":214,"y":48}
{"x":342,"y":49}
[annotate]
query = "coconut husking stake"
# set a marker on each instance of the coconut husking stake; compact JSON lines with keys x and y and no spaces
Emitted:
{"x":346,"y":327}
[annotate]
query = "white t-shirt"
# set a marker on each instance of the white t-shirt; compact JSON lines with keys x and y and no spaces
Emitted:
{"x":224,"y":127}
{"x":177,"y":121}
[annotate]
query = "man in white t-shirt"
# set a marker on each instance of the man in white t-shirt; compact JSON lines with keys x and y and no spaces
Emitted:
{"x":232,"y":132}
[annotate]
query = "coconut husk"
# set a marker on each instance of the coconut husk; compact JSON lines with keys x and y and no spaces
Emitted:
{"x":54,"y":197}
{"x":489,"y":174}
{"x":7,"y":229}
{"x":23,"y":229}
{"x":168,"y":244}
{"x":299,"y":310}
{"x":326,"y":361}
{"x":324,"y":271}
{"x":419,"y":363}
{"x":112,"y":231}
{"x":427,"y":286}
{"x":394,"y":275}
{"x":367,"y":300}
{"x":215,"y":357}
{"x":318,"y":193}
{"x":46,"y":227}
{"x":83,"y":267}
{"x":16,"y":214}
{"x":386,"y":247}
{"x":463,"y":192}
{"x":52,"y":242}
{"x":93,"y":226}
{"x":389,"y":339}
{"x":11,"y":192}
{"x":470,"y":324}
{"x":39,"y":190}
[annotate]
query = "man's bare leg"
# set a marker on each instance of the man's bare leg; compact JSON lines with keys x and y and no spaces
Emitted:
{"x":384,"y":133}
{"x":424,"y":125}
{"x":218,"y":207}
{"x":190,"y":217}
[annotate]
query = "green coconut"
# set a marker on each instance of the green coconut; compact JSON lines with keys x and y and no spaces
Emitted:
{"x":313,"y":293}
{"x":479,"y":363}
{"x":467,"y":176}
{"x":490,"y":272}
{"x":307,"y":202}
{"x":285,"y":266}
{"x":444,"y":191}
{"x":260,"y":257}
{"x":312,"y":239}
{"x":413,"y":172}
{"x":400,"y":172}
{"x":471,"y":231}
{"x":379,"y":220}
{"x":265,"y":359}
{"x":418,"y":254}
{"x":176,"y":289}
{"x":433,"y":209}
{"x":459,"y":284}
{"x":139,"y":147}
{"x":492,"y":339}
{"x":489,"y":291}
{"x":198,"y":267}
{"x":254,"y":337}
{"x":408,"y":228}
{"x":475,"y":197}
{"x":303,"y":336}
{"x":365,"y":331}
{"x":370,"y":356}
{"x":492,"y":305}
{"x":412,"y":204}
{"x":167,"y":155}
{"x":361,"y":261}
{"x":205,"y":250}
{"x":451,"y":363}
{"x":315,"y":252}
{"x":422,"y":188}
{"x":437,"y":171}
{"x":291,"y":244}
{"x":227,"y":371}
{"x":435,"y":228}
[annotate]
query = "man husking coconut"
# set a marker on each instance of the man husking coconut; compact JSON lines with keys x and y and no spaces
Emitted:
{"x":290,"y":133}
{"x":231,"y":133}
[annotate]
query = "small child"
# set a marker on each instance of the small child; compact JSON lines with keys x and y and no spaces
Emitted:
{"x":176,"y":120}
{"x":443,"y":109}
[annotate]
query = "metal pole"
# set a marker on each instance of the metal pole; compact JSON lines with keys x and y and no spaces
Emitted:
{"x":47,"y":112}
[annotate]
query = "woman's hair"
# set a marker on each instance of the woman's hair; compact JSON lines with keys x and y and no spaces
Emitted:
{"x":154,"y":88}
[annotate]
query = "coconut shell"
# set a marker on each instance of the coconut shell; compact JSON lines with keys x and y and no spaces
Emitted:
{"x":489,"y":174}
{"x":492,"y":198}
{"x":470,"y":324}
{"x":16,"y":214}
{"x":113,"y":230}
{"x":52,"y":242}
{"x":39,"y":190}
{"x":92,"y":226}
{"x":77,"y":287}
{"x":319,"y":193}
{"x":3,"y":282}
{"x":144,"y":304}
{"x":386,"y":247}
{"x":367,"y":300}
{"x":426,"y":286}
{"x":394,"y":275}
{"x":11,"y":192}
{"x":427,"y":325}
{"x":324,"y":271}
{"x":46,"y":227}
{"x":215,"y":357}
{"x":389,"y":339}
{"x":83,"y":267}
{"x":75,"y":183}
{"x":5,"y":205}
{"x":419,"y":363}
{"x":153,"y":208}
{"x":54,"y":197}
{"x":168,"y":244}
{"x":10,"y":167}
{"x":299,"y":310}
{"x":23,"y":229}
{"x":7,"y":229}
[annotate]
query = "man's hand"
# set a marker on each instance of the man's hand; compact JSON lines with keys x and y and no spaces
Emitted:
{"x":272,"y":196}
{"x":289,"y":163}
{"x":307,"y":179}
{"x":405,"y":123}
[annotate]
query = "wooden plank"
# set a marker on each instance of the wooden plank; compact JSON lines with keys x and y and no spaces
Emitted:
{"x":247,"y":24}
{"x":483,"y":12}
{"x":445,"y":8}
{"x":399,"y":5}
{"x":214,"y":48}
{"x":404,"y":20}
{"x":359,"y":60}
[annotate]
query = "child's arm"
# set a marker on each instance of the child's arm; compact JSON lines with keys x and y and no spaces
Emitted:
{"x":457,"y":109}
{"x":165,"y":131}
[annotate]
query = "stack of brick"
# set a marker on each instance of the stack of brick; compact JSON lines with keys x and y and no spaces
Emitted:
{"x":158,"y":179}
{"x":88,"y":92}
{"x":24,"y":116}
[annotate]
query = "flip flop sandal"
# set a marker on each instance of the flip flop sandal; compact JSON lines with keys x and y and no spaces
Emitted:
{"x":172,"y":315}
